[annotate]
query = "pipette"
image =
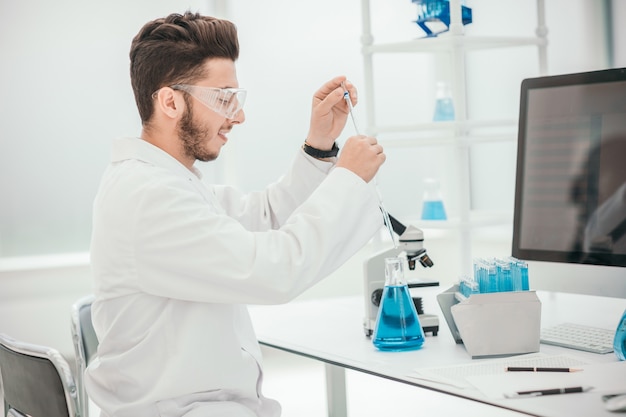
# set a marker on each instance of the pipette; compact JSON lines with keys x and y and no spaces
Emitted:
{"x":346,"y":96}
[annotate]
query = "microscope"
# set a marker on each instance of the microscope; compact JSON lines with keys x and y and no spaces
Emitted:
{"x":411,"y":244}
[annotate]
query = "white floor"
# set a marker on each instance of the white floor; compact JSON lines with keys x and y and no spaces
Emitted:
{"x":299,"y":384}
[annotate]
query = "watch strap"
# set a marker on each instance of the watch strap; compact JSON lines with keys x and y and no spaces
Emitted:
{"x":318,"y":153}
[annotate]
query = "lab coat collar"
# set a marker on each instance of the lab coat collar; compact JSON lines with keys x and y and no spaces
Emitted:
{"x":139,"y":149}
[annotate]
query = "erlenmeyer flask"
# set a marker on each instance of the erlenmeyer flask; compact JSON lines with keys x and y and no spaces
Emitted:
{"x":397,"y":326}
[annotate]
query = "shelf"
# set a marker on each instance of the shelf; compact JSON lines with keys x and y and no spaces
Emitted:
{"x":461,"y":134}
{"x":464,"y":126}
{"x":445,"y":140}
{"x":478,"y":219}
{"x":444,"y":43}
{"x":446,"y":133}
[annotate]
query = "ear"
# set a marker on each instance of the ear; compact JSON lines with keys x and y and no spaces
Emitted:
{"x":169,"y":103}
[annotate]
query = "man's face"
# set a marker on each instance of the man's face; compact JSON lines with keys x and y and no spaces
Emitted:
{"x":202,"y":131}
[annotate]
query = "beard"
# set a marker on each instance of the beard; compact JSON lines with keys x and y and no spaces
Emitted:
{"x":193,"y":137}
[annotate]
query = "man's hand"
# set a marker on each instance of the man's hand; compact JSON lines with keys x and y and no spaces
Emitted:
{"x":329,"y":113}
{"x":362,"y":155}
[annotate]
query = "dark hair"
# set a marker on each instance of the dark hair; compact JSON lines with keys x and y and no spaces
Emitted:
{"x":173,"y":50}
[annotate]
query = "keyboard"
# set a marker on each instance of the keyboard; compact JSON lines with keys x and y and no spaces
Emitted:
{"x":579,"y":337}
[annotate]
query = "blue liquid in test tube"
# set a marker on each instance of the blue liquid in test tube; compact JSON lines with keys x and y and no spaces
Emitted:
{"x":524,"y":273}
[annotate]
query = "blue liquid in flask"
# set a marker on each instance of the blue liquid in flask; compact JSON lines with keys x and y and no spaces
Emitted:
{"x":398,"y":326}
{"x":433,"y":210}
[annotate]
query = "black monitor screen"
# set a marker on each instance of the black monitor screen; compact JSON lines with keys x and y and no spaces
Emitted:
{"x":570,"y":196}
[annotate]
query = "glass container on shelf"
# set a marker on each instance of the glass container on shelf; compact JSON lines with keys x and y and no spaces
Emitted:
{"x":444,"y":106}
{"x":432,"y":202}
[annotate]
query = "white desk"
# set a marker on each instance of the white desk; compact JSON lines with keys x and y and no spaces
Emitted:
{"x":330,"y":330}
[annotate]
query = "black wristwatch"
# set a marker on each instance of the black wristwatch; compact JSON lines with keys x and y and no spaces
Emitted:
{"x":318,"y":153}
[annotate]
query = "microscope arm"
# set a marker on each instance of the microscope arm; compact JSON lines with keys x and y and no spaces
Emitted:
{"x":397,"y":227}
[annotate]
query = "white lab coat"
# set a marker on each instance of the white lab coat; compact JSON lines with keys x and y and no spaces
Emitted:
{"x":175,"y":262}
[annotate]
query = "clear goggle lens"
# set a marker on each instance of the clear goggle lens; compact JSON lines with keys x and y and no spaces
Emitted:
{"x":226,"y":102}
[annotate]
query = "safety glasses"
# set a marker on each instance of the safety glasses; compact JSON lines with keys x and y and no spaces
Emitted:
{"x":226,"y":102}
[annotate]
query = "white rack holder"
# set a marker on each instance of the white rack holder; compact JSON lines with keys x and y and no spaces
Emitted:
{"x":493,"y":324}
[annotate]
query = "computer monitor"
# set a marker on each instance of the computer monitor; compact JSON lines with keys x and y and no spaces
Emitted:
{"x":570,"y":194}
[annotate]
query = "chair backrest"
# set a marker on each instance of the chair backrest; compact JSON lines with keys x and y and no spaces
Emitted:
{"x":85,"y":344}
{"x":36,"y":380}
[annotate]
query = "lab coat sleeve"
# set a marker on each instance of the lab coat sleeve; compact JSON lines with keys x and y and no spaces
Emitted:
{"x":213,"y":258}
{"x":270,"y":208}
{"x":171,"y":243}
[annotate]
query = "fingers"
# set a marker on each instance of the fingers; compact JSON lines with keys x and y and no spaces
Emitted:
{"x":373,"y":142}
{"x":332,"y":92}
{"x":362,"y":155}
{"x":378,"y":150}
{"x":330,"y":86}
{"x":329,"y":112}
{"x":326,"y":103}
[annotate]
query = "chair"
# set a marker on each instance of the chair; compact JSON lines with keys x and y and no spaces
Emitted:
{"x":85,"y":345}
{"x":36,"y":380}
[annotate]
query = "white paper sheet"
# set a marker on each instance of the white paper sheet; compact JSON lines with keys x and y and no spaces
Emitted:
{"x":459,"y":375}
{"x":603,"y":377}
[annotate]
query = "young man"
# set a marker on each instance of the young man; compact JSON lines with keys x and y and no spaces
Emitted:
{"x":175,"y":260}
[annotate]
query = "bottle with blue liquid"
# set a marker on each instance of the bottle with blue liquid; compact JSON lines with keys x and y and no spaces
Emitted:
{"x":432,"y":202}
{"x":397,"y":326}
{"x":444,"y":106}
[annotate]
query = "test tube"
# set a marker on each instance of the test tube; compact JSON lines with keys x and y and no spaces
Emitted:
{"x":492,"y":276}
{"x":468,"y":285}
{"x":519,"y":274}
{"x":481,"y":274}
{"x":524,"y":273}
{"x":504,"y":275}
{"x":461,"y":286}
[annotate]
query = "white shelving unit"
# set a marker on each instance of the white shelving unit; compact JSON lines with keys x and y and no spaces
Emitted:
{"x":462,"y":133}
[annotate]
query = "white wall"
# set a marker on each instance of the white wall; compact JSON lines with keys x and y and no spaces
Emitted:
{"x":619,"y":32}
{"x":65,"y":82}
{"x":66,"y":94}
{"x":35,"y":304}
